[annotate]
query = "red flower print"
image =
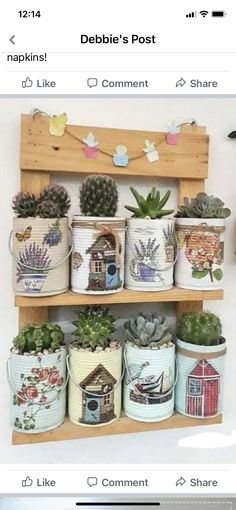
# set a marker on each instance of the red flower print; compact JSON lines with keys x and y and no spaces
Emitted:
{"x":34,"y":370}
{"x":53,"y":378}
{"x":31,"y":392}
{"x":20,"y":397}
{"x":60,"y":382}
{"x":43,"y":374}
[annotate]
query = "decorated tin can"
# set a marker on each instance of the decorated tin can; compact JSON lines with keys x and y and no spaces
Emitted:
{"x":201,"y":253}
{"x":40,"y":251}
{"x":150,"y":254}
{"x":199,"y":389}
{"x":98,"y":255}
{"x":94,"y":386}
{"x":38,"y":396}
{"x":149,"y":383}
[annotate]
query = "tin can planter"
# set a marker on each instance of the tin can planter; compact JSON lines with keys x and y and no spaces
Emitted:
{"x":201,"y":253}
{"x":150,"y":254}
{"x":199,"y":389}
{"x":94,"y":386}
{"x":38,"y":396}
{"x":98,"y":255}
{"x":40,"y":251}
{"x":149,"y":383}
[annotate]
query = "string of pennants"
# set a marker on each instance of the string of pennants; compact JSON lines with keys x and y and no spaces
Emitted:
{"x":120,"y":157}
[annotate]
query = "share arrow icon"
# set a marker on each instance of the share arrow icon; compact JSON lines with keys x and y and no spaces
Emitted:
{"x":12,"y":39}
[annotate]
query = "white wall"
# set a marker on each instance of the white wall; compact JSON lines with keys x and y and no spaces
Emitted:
{"x":148,"y":114}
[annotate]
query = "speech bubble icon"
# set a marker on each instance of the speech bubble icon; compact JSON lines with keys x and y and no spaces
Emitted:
{"x":92,"y":82}
{"x":92,"y":481}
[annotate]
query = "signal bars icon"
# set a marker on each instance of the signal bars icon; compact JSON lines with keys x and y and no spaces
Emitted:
{"x":191,"y":15}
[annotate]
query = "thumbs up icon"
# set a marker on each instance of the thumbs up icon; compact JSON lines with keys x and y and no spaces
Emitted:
{"x":27,"y":83}
{"x":27,"y":482}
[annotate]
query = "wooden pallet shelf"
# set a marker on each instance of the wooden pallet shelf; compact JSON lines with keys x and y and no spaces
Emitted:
{"x":125,"y":296}
{"x":42,"y":154}
{"x":122,"y":426}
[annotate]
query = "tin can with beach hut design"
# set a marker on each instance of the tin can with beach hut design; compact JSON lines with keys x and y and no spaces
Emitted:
{"x":149,"y":383}
{"x":94,"y":386}
{"x":200,"y":263}
{"x":98,"y":255}
{"x":40,"y":251}
{"x":199,"y":389}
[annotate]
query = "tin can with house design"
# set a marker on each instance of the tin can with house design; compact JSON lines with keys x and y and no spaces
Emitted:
{"x":199,"y":389}
{"x":94,"y":386}
{"x":98,"y":255}
{"x":149,"y":383}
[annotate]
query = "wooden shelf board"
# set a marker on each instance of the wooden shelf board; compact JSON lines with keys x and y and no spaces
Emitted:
{"x":125,"y":296}
{"x":124,"y":425}
{"x":43,"y":152}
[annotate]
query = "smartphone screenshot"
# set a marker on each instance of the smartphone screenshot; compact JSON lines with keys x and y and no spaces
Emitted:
{"x":118,"y":255}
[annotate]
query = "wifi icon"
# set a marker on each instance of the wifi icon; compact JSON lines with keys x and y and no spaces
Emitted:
{"x":204,"y":13}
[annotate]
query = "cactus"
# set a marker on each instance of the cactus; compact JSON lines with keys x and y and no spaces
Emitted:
{"x":98,"y":196}
{"x":151,"y":206}
{"x":199,"y":328}
{"x":94,"y":326}
{"x":24,"y":204}
{"x":57,"y":194}
{"x":148,"y":330}
{"x":48,"y":209}
{"x":39,"y":337}
{"x":203,"y":206}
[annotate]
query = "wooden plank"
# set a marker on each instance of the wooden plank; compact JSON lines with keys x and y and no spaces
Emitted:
{"x":42,"y":151}
{"x":122,"y":426}
{"x":125,"y":296}
{"x":33,"y":315}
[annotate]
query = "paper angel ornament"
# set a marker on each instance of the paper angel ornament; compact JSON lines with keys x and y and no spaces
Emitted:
{"x":90,"y":150}
{"x":172,"y":136}
{"x":120,"y":158}
{"x":57,"y":124}
{"x":151,"y":151}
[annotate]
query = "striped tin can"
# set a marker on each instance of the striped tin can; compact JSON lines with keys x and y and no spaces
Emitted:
{"x":98,"y":255}
{"x":40,"y":251}
{"x":201,"y":253}
{"x":150,"y":254}
{"x":149,"y":383}
{"x":38,"y":391}
{"x":94,"y":386}
{"x":199,"y":389}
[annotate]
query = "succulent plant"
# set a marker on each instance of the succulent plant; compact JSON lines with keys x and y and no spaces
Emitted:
{"x":57,"y":194}
{"x":203,"y":206}
{"x":39,"y":337}
{"x":148,"y":330}
{"x":151,"y":206}
{"x":202,"y":328}
{"x":94,"y":326}
{"x":48,"y":209}
{"x":98,"y":196}
{"x":24,"y":204}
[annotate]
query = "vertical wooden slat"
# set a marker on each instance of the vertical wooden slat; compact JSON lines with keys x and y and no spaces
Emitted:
{"x":34,"y":183}
{"x":190,"y":188}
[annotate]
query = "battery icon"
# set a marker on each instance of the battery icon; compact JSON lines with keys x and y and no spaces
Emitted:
{"x":218,"y":14}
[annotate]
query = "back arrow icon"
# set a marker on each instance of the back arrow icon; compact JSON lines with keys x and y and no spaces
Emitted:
{"x":12,"y":39}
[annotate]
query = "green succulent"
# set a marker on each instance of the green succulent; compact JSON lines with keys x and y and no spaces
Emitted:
{"x":39,"y":337}
{"x":94,"y":325}
{"x":151,"y":206}
{"x":57,"y":194}
{"x":24,"y":204}
{"x":203,"y":206}
{"x":202,"y":328}
{"x":147,"y":330}
{"x":48,"y":209}
{"x":98,"y":196}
